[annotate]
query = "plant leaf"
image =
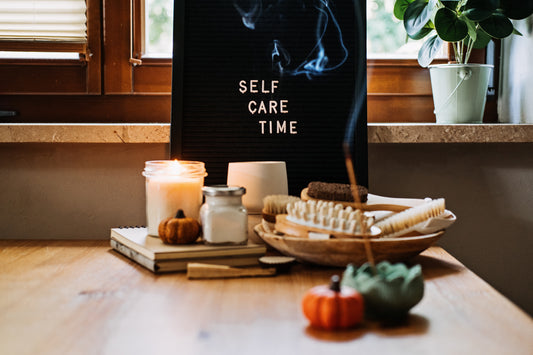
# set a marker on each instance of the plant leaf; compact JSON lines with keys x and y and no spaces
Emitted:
{"x":421,"y":34}
{"x":497,"y":26}
{"x":416,"y":16}
{"x":471,"y":25}
{"x":429,"y":50}
{"x":489,"y":5}
{"x":451,"y":4}
{"x":517,"y":9}
{"x":399,"y":8}
{"x":516,"y":32}
{"x":449,"y":26}
{"x":482,"y":39}
{"x":477,"y":14}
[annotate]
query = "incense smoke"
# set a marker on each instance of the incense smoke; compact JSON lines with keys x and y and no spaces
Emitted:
{"x":306,"y":36}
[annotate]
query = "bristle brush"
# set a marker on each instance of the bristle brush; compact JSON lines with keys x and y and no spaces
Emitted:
{"x":324,"y":218}
{"x":276,"y":204}
{"x":407,"y":221}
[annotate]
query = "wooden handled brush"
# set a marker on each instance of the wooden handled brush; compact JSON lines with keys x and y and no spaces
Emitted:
{"x":305,"y":219}
{"x":207,"y":271}
{"x":405,"y":222}
{"x":276,"y":204}
{"x":374,"y":202}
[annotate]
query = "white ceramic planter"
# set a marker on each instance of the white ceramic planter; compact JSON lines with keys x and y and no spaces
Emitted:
{"x":459,"y":91}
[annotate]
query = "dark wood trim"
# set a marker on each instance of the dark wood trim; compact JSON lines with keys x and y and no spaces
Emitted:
{"x":156,"y":79}
{"x":137,"y":28}
{"x":94,"y":51}
{"x":117,"y":71}
{"x":150,"y":61}
{"x":399,"y":62}
{"x":22,"y":63}
{"x":42,"y":46}
{"x":400,"y":108}
{"x":48,"y":78}
{"x":154,"y":108}
{"x":399,"y":80}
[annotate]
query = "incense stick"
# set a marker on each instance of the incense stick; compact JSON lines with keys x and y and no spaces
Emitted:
{"x":357,"y":199}
{"x":358,"y":111}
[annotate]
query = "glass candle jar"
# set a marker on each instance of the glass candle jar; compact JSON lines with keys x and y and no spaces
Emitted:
{"x":172,"y":185}
{"x":224,"y":218}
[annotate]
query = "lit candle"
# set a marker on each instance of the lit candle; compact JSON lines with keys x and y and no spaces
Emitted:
{"x":172,"y":185}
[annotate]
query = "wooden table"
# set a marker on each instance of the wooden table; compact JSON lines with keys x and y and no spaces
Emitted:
{"x":80,"y":297}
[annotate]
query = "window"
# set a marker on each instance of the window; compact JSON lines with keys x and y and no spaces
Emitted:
{"x":158,"y":28}
{"x":386,"y":38}
{"x":399,"y":90}
{"x":90,"y":87}
{"x":45,"y":47}
{"x":122,"y":72}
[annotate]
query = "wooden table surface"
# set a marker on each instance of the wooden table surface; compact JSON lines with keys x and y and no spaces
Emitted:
{"x":80,"y":297}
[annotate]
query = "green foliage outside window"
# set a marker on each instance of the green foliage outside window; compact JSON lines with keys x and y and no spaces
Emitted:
{"x":385,"y":34}
{"x":159,"y":26}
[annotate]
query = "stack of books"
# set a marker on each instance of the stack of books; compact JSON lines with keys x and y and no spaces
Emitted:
{"x":153,"y":254}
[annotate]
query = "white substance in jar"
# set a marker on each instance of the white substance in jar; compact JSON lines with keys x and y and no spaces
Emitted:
{"x":224,"y":218}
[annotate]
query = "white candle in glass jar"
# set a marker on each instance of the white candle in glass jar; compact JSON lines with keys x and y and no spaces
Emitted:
{"x":172,"y":185}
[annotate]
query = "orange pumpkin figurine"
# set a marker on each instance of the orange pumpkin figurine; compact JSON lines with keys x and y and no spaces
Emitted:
{"x":179,"y":229}
{"x":334,"y":306}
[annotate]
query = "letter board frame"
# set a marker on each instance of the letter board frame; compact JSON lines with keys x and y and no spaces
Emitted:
{"x":269,"y":80}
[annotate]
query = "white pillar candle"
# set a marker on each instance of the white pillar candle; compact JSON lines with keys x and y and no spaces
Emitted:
{"x":172,"y":185}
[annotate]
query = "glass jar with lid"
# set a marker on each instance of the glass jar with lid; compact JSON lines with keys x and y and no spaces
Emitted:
{"x":224,"y":218}
{"x":172,"y":185}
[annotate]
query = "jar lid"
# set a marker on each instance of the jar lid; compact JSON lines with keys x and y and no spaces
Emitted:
{"x":223,"y":190}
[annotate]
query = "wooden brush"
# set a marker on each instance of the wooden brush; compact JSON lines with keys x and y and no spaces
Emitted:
{"x":207,"y":271}
{"x":406,"y":221}
{"x":323,"y":218}
{"x":274,"y":205}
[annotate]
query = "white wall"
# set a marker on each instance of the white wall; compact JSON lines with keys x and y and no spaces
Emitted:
{"x":515,"y":104}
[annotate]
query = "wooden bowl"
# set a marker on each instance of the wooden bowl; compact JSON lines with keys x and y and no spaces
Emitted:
{"x":341,"y":252}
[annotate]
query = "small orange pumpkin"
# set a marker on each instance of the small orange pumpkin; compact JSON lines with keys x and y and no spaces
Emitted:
{"x":179,"y":229}
{"x":333,"y":307}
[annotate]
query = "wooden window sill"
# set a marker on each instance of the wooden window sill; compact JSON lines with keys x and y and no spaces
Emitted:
{"x":159,"y":133}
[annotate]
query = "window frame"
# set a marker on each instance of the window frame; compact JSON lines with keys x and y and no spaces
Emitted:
{"x":122,"y":86}
{"x":56,"y":76}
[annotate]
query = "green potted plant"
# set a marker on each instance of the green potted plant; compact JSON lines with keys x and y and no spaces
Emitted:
{"x":459,"y":88}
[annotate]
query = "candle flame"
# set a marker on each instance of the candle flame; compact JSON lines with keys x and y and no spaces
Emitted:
{"x":175,"y":167}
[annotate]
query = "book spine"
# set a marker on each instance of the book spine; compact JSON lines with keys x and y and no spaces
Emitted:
{"x":133,"y":255}
{"x":128,"y":237}
{"x":116,"y":233}
{"x":243,"y":252}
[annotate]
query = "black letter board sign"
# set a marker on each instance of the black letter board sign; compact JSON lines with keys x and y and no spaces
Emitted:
{"x":270,"y":80}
